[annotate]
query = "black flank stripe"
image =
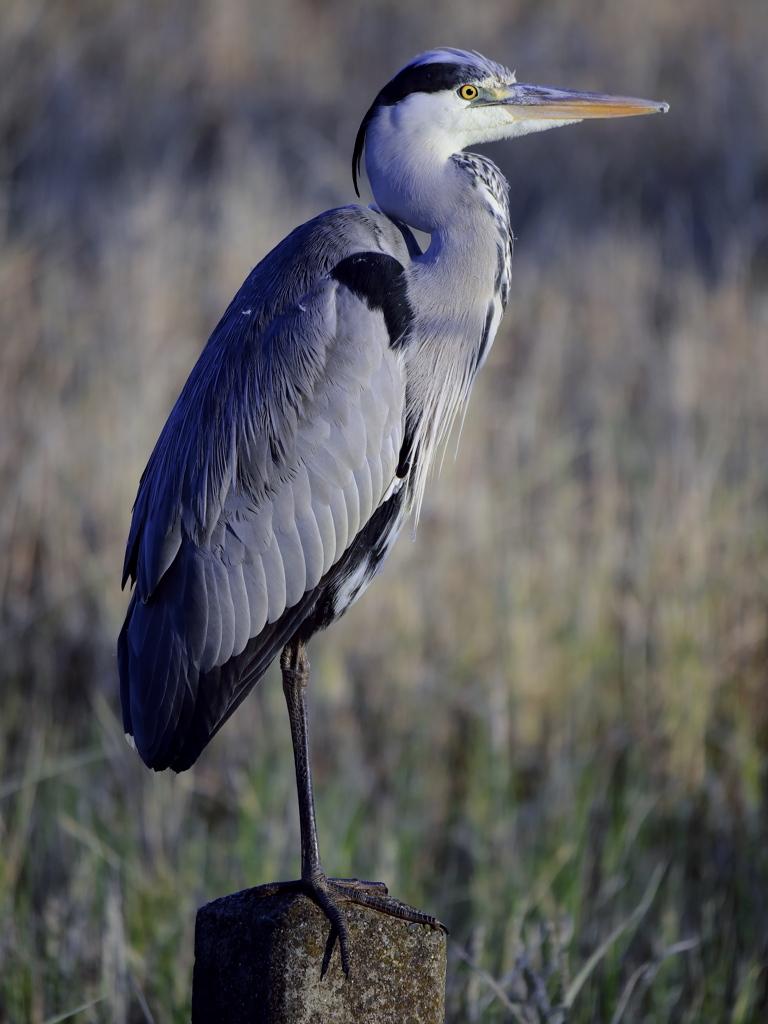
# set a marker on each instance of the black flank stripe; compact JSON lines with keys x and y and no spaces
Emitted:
{"x":484,"y":340}
{"x":406,"y":449}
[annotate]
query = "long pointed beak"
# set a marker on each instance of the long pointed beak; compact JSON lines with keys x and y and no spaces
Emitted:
{"x":540,"y":103}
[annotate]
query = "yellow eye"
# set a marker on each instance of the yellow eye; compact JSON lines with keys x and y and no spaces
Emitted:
{"x":468,"y":92}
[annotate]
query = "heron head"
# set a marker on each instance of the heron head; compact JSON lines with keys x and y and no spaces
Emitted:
{"x":447,"y":99}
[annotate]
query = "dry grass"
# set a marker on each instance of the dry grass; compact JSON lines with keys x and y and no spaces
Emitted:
{"x":547,"y":720}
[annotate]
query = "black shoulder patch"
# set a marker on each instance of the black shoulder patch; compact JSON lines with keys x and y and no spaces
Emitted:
{"x":379,"y":280}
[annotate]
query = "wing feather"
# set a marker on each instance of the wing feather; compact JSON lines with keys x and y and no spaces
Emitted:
{"x":312,"y":547}
{"x":283,"y":503}
{"x":274,"y":572}
{"x":333,"y":460}
{"x":342,"y":525}
{"x":228,"y":611}
{"x":294,"y":564}
{"x":352,"y":501}
{"x":213,"y":636}
{"x":376,"y":469}
{"x":353,"y":435}
{"x":365,"y":491}
{"x":241,"y":605}
{"x":194,"y":598}
{"x":252,"y":526}
{"x":320,"y":486}
{"x":256,"y":588}
{"x":326,"y":533}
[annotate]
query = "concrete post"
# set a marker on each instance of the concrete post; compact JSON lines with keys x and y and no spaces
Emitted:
{"x":259,"y":960}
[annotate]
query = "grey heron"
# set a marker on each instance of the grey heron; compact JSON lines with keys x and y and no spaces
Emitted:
{"x":304,"y":436}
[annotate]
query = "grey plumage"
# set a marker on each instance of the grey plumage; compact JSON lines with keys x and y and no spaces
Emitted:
{"x":306,"y":431}
{"x":282,"y":444}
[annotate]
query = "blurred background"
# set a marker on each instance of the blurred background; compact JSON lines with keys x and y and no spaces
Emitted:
{"x":547,"y":721}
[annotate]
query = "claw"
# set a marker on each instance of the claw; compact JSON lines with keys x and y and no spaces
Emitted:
{"x":327,"y":893}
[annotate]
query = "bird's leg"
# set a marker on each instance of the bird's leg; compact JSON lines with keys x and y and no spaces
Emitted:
{"x":326,"y":892}
{"x":294,"y":665}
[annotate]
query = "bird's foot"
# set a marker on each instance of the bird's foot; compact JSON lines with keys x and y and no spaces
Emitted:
{"x":328,"y":893}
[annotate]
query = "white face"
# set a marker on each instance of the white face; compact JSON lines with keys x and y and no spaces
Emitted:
{"x":445,"y":123}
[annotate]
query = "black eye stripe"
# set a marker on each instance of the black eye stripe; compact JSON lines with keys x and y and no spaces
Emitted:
{"x":425,"y":78}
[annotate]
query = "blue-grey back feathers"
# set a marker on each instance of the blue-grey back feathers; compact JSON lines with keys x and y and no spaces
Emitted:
{"x":281,"y":447}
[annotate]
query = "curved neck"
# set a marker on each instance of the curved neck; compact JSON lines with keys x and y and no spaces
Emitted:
{"x":458,"y":288}
{"x":413,"y":179}
{"x":470,"y":249}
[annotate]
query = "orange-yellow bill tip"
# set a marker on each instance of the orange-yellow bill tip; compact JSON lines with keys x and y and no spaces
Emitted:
{"x":542,"y":103}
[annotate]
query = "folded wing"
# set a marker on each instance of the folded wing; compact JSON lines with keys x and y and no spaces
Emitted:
{"x":281,"y":451}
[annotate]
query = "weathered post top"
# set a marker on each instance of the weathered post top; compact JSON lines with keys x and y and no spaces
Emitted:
{"x":259,"y":960}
